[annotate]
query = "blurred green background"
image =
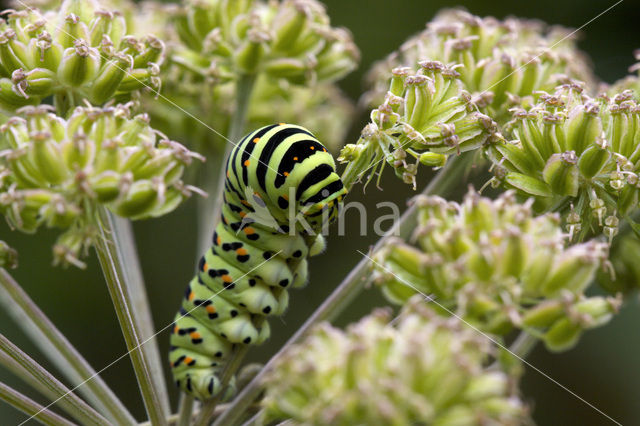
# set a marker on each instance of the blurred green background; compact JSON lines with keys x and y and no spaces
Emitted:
{"x":602,"y":369}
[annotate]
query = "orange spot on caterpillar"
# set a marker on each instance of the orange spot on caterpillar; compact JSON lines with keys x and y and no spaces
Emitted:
{"x":248,"y":230}
{"x":242,"y":214}
{"x":312,"y":147}
{"x":191,"y":296}
{"x":172,"y":364}
{"x":256,"y":140}
{"x":286,"y":173}
{"x":206,"y":265}
{"x":175,"y":329}
{"x":295,"y":158}
{"x":282,"y":124}
{"x":246,"y":163}
{"x":324,"y":149}
{"x":228,"y":174}
{"x":194,"y":335}
{"x":188,"y":360}
{"x":226,"y":278}
{"x":241,"y":251}
{"x":286,"y":197}
{"x":211,"y":309}
{"x":245,"y":202}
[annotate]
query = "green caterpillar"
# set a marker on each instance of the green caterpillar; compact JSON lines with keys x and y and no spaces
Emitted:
{"x":274,"y":175}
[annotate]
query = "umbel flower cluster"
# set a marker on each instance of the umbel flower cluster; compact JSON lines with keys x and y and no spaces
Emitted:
{"x":425,"y":115}
{"x":287,"y":48}
{"x":499,"y":62}
{"x":420,"y":368}
{"x":575,"y":154}
{"x":291,"y":39}
{"x":77,"y":52}
{"x":498,"y":267}
{"x":56,"y":171}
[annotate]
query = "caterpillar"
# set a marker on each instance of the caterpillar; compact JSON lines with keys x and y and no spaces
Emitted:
{"x":275,"y":176}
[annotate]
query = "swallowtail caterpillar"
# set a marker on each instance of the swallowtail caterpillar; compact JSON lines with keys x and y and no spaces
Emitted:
{"x":274,"y":174}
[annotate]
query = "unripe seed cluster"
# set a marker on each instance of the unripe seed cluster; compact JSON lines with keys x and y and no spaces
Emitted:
{"x":497,"y":266}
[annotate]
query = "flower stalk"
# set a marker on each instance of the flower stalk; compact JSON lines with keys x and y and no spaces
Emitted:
{"x":31,"y":408}
{"x":110,"y":258}
{"x":31,"y":371}
{"x":60,"y":351}
{"x":214,"y":177}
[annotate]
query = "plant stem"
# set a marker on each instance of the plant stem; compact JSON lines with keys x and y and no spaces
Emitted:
{"x":31,"y":408}
{"x":213,"y":180}
{"x":448,"y":178}
{"x":209,"y":407}
{"x":124,"y":238}
{"x":523,"y":345}
{"x":52,"y":343}
{"x":69,"y":401}
{"x":111,"y":261}
{"x":185,"y":409}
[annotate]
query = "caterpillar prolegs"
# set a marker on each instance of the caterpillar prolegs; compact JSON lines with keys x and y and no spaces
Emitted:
{"x":281,"y":188}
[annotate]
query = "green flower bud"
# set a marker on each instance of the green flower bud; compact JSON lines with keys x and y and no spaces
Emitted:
{"x":561,"y":173}
{"x":139,"y":199}
{"x":48,"y":158}
{"x":8,"y":256}
{"x":575,"y":268}
{"x":12,"y":52}
{"x":106,"y":186}
{"x":79,"y":64}
{"x":109,"y":78}
{"x":250,"y":54}
{"x":46,"y":54}
{"x":432,"y":159}
{"x":593,"y":159}
{"x":10,"y":100}
{"x":563,"y":335}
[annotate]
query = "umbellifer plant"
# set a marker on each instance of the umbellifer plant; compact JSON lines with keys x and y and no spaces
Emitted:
{"x":94,"y":97}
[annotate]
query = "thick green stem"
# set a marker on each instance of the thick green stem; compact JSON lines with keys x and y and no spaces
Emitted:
{"x":213,"y":184}
{"x":30,"y":370}
{"x":52,"y":343}
{"x":448,"y":178}
{"x":31,"y":408}
{"x":111,"y":261}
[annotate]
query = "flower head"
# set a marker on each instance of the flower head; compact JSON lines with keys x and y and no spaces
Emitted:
{"x":54,"y":172}
{"x":75,"y":52}
{"x":499,"y":267}
{"x":420,"y":368}
{"x":425,"y":116}
{"x":290,"y":39}
{"x":500,"y":61}
{"x":575,"y":154}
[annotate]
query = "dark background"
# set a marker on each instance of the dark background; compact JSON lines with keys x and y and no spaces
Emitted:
{"x":602,"y":369}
